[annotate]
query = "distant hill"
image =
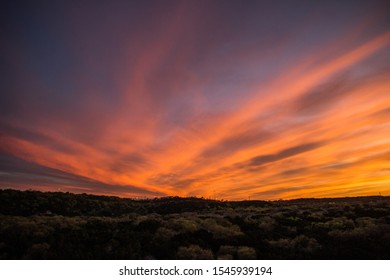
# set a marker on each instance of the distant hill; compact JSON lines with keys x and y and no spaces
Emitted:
{"x":30,"y":202}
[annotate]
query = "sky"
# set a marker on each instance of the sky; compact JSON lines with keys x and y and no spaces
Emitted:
{"x":228,"y":100}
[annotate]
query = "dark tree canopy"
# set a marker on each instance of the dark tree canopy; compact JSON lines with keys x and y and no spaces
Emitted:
{"x":55,"y":225}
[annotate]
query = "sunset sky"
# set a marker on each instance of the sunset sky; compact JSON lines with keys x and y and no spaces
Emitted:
{"x":222,"y":99}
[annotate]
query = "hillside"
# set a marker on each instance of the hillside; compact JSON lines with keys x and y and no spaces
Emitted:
{"x":55,"y":225}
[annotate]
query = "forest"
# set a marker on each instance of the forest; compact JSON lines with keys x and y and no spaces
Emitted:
{"x":57,"y":225}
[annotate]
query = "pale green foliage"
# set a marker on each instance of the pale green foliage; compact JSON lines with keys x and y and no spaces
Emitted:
{"x":267,"y":224}
{"x":194,"y":252}
{"x":225,"y":257}
{"x":221,"y":228}
{"x":184,"y":224}
{"x":246,"y":253}
{"x":164,"y":234}
{"x":299,"y":244}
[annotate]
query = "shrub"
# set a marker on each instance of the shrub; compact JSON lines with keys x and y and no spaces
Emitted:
{"x":194,"y":252}
{"x":246,"y":253}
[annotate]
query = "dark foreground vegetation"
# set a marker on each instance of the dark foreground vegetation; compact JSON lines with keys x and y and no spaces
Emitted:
{"x":37,"y":225}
